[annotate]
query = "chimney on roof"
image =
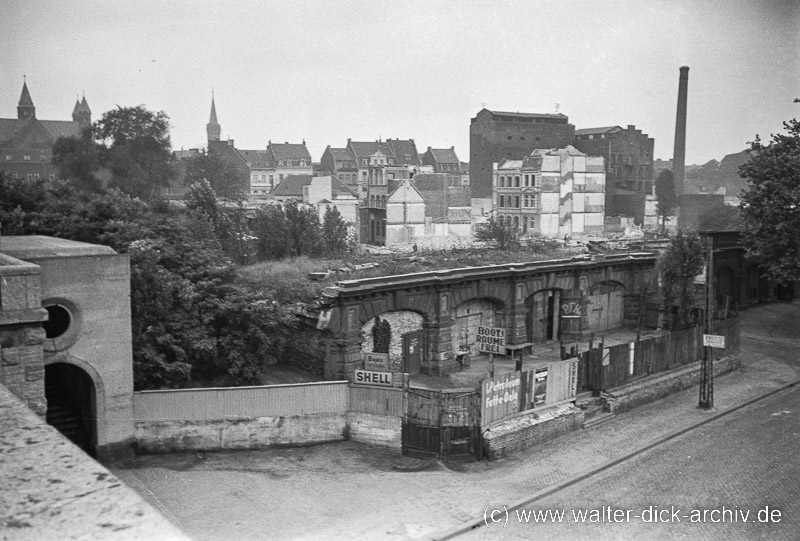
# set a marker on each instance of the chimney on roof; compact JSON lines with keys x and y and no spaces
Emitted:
{"x":631,"y":127}
{"x":286,"y":142}
{"x":679,"y":152}
{"x":304,"y":142}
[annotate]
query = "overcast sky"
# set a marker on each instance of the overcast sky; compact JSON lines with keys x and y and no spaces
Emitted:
{"x":324,"y":71}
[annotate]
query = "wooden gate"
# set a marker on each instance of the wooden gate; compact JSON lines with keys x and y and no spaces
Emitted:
{"x":443,"y":424}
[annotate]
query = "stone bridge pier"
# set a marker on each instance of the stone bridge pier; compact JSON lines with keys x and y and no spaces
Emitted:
{"x":432,"y":317}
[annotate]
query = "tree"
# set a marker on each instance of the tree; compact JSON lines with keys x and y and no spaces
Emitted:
{"x":303,"y":229}
{"x":678,"y":266}
{"x":334,"y":231}
{"x":78,"y":160}
{"x":667,"y":198}
{"x":136,"y":148}
{"x":720,"y":217}
{"x":770,"y":204}
{"x":496,"y":232}
{"x":220,"y":174}
{"x":271,"y":229}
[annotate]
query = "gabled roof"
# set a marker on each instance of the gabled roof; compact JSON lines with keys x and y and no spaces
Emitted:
{"x":256,"y":158}
{"x":444,"y":155}
{"x":405,"y":151}
{"x":292,"y":186}
{"x":598,"y":131}
{"x":341,"y":154}
{"x":367,"y":149}
{"x":289,"y":151}
{"x":11,"y":128}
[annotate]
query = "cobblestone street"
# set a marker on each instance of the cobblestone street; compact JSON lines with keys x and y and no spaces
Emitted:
{"x":351,"y":491}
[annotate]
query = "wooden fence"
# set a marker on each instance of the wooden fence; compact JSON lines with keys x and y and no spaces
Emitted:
{"x":605,"y":368}
{"x":545,"y":385}
{"x":214,"y":404}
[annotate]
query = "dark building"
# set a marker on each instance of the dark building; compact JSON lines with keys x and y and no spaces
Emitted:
{"x":739,"y":281}
{"x":495,"y":136}
{"x":628,"y":156}
{"x":26,"y":142}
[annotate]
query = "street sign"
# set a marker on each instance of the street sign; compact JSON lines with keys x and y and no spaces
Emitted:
{"x":376,"y":361}
{"x":714,"y":341}
{"x":372,"y":377}
{"x":491,"y":340}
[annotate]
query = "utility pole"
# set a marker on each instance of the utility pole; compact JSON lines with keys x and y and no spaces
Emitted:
{"x":707,"y":370}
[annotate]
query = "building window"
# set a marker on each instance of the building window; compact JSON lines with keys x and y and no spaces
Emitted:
{"x":8,"y":158}
{"x":516,"y":201}
{"x":302,"y":163}
{"x":36,"y":176}
{"x":516,"y":181}
{"x":53,"y":176}
{"x":500,"y":200}
{"x":26,"y":158}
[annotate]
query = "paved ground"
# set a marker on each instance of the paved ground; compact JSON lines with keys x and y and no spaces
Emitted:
{"x":349,"y":491}
{"x":734,"y":478}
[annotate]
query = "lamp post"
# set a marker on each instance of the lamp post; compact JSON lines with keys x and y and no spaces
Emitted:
{"x":707,"y":370}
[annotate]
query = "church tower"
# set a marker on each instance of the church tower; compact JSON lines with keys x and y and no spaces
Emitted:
{"x":81,"y":113}
{"x":25,"y":109}
{"x":213,"y":128}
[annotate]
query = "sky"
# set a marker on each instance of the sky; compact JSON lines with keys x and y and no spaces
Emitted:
{"x":325,"y":71}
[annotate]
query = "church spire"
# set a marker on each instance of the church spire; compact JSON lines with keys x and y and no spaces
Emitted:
{"x":25,"y":108}
{"x":213,"y":128}
{"x":81,"y":113}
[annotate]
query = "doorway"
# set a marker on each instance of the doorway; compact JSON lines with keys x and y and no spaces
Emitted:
{"x":71,"y":404}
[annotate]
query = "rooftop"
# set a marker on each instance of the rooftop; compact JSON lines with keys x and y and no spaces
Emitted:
{"x":28,"y":247}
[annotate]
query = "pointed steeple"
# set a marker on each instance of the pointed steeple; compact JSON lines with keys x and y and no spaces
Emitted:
{"x":25,"y":108}
{"x":213,"y":129}
{"x":82,"y":114}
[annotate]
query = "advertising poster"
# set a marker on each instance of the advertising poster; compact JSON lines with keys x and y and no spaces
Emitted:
{"x":539,"y":386}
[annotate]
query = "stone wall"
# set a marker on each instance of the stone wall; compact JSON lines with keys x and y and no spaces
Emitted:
{"x":649,"y":389}
{"x":371,"y":429}
{"x":21,"y":332}
{"x":178,"y":436}
{"x":530,"y":429}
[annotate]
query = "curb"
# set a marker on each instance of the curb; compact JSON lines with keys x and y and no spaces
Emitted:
{"x":538,"y":495}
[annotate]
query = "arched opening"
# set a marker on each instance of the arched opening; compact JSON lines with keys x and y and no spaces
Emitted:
{"x":605,"y":308}
{"x":542,"y":315}
{"x":469,"y":316}
{"x":398,"y":334}
{"x":71,"y":404}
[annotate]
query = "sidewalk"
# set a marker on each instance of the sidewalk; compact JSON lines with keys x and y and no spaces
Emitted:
{"x":350,"y":491}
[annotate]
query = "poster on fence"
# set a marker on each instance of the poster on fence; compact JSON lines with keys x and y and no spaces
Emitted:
{"x":500,"y":397}
{"x":539,"y":386}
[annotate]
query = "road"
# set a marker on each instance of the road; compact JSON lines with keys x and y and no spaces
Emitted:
{"x":745,"y":462}
{"x":344,"y":490}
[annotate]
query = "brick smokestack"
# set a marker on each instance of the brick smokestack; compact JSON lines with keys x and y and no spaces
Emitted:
{"x":679,"y":153}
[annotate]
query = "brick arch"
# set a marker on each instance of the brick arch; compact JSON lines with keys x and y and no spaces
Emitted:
{"x":594,"y":287}
{"x":541,"y":314}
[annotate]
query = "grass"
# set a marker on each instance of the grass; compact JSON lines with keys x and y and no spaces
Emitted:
{"x":288,"y":279}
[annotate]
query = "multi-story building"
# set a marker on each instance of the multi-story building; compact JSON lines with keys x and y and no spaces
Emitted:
{"x":26,"y":143}
{"x":495,"y":136}
{"x":552,"y":192}
{"x":443,"y":160}
{"x":259,"y":170}
{"x":628,"y":155}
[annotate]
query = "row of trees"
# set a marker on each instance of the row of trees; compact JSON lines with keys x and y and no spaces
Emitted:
{"x":193,"y":318}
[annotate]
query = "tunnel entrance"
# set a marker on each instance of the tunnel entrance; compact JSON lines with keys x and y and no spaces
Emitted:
{"x":71,"y":405}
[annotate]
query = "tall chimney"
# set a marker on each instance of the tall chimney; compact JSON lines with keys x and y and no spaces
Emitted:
{"x":679,"y":153}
